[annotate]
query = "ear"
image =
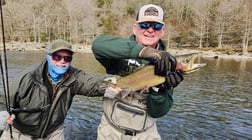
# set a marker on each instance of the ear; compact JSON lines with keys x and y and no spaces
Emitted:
{"x":162,"y":32}
{"x":134,"y":29}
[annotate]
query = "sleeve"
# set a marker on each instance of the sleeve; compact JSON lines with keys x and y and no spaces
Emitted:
{"x":111,"y":47}
{"x":88,"y":85}
{"x":159,"y":104}
{"x":14,"y":90}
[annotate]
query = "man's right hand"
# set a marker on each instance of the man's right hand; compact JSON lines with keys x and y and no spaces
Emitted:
{"x":10,"y":119}
{"x":164,"y":62}
{"x":6,"y":119}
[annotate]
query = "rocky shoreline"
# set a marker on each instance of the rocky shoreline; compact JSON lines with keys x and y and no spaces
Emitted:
{"x":213,"y":54}
{"x":80,"y":48}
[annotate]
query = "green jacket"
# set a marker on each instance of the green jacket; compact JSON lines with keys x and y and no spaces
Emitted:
{"x":112,"y":51}
{"x":33,"y":91}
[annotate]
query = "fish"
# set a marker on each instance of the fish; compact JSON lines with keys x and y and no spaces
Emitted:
{"x":142,"y":78}
{"x":145,"y":77}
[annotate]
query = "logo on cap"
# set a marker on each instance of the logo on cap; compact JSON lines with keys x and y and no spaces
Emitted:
{"x":151,"y":11}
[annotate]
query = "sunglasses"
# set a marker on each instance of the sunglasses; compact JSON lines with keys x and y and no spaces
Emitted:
{"x":57,"y":57}
{"x":154,"y":25}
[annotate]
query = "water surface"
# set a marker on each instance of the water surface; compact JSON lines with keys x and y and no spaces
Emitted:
{"x":213,"y":103}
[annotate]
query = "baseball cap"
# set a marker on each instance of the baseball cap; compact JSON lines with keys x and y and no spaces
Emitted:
{"x":150,"y":12}
{"x":59,"y":44}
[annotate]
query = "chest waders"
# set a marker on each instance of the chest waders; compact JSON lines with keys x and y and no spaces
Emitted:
{"x":128,"y":114}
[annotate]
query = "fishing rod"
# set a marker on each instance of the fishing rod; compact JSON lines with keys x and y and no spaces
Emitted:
{"x":4,"y":70}
{"x":25,"y":110}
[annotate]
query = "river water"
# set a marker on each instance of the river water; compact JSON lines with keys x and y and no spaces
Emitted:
{"x":212,"y":103}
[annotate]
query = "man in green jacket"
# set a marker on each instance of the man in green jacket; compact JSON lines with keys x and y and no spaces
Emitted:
{"x":45,"y":94}
{"x":133,"y":117}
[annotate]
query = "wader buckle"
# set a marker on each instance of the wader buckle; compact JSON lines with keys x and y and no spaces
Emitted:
{"x":129,"y":132}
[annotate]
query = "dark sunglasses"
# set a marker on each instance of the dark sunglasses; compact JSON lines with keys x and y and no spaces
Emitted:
{"x":154,"y":25}
{"x":57,"y":57}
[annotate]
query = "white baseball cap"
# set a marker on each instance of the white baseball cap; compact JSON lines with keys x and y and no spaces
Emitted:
{"x":150,"y":12}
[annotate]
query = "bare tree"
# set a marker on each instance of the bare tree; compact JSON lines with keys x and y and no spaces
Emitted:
{"x":247,"y":26}
{"x":207,"y":23}
{"x":200,"y":20}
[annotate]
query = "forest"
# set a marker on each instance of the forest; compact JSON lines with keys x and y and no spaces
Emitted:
{"x":188,"y":23}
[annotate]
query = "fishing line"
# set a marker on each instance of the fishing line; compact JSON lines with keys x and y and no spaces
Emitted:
{"x":4,"y":70}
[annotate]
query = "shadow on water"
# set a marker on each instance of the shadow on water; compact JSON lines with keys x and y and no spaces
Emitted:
{"x":212,"y":103}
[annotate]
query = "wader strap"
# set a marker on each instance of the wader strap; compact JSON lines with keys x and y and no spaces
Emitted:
{"x":124,"y":131}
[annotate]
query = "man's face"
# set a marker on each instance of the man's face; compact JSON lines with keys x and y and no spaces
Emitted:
{"x":61,"y":58}
{"x":148,"y":33}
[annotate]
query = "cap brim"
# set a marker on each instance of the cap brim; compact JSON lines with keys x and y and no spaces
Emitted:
{"x":58,"y":49}
{"x":150,"y":20}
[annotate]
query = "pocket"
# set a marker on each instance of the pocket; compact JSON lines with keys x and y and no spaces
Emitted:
{"x":33,"y":116}
{"x":128,"y":117}
{"x":35,"y":106}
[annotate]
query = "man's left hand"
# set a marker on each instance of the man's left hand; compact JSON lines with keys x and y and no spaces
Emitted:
{"x":172,"y":80}
{"x":166,"y":63}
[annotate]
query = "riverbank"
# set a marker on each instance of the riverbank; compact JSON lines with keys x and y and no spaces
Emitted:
{"x":212,"y":54}
{"x":17,"y":46}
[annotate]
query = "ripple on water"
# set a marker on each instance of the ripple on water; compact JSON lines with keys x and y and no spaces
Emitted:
{"x":213,"y":103}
